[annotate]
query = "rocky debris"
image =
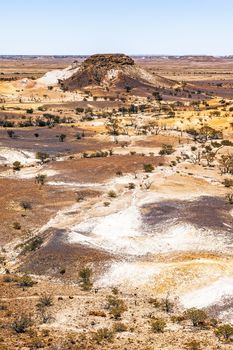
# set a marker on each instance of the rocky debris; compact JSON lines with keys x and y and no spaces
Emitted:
{"x":108,"y":61}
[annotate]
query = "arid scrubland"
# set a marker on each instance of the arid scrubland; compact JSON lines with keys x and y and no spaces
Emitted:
{"x":116,"y":189}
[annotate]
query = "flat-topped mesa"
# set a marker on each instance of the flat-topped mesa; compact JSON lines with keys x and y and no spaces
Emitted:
{"x":108,"y":60}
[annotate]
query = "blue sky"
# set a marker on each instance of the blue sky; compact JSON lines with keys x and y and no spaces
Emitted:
{"x":128,"y":26}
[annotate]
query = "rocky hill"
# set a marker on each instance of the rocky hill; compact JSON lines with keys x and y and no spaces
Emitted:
{"x":113,"y":71}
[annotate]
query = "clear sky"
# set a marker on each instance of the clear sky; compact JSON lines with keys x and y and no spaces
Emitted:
{"x":127,"y":26}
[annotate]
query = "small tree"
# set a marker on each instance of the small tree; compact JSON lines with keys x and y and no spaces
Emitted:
{"x":167,"y":304}
{"x":25,"y":205}
{"x":17,"y":165}
{"x":42,"y":156}
{"x":224,"y":331}
{"x":197,"y":316}
{"x":85,"y":278}
{"x":40,"y":179}
{"x":62,"y":137}
{"x":115,"y":306}
{"x":10,"y":133}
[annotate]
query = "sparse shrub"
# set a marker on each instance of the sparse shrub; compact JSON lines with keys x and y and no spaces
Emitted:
{"x":25,"y":281}
{"x":16,"y":225}
{"x":8,"y":279}
{"x":228,"y":182}
{"x":177,"y":318}
{"x":197,"y":316}
{"x":33,"y":244}
{"x":167,"y":304}
{"x":115,"y":291}
{"x":97,"y":313}
{"x":115,"y":306}
{"x":10,"y":133}
{"x":193,"y":345}
{"x":226,"y":143}
{"x":45,"y":300}
{"x":103,"y":334}
{"x":224,"y":331}
{"x":42,"y":156}
{"x":3,"y":307}
{"x":21,"y":324}
{"x":85,"y":278}
{"x":2,"y":260}
{"x":131,"y":186}
{"x":148,"y":168}
{"x":119,"y":327}
{"x":158,"y":325}
{"x":25,"y":205}
{"x":62,"y":137}
{"x":229,"y":196}
{"x":79,"y":197}
{"x":155,"y":302}
{"x":166,"y":150}
{"x":17,"y":166}
{"x":40,"y":179}
{"x":112,"y":194}
{"x":36,"y":343}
